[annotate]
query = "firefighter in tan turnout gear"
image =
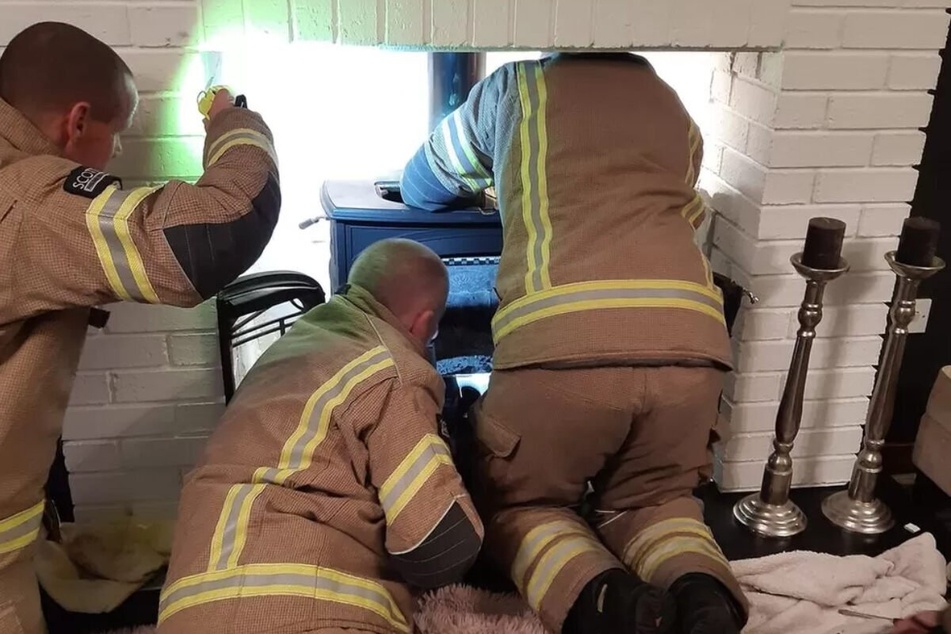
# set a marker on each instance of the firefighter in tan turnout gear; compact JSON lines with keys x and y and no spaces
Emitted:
{"x":72,"y":238}
{"x":610,"y":342}
{"x":327,"y":491}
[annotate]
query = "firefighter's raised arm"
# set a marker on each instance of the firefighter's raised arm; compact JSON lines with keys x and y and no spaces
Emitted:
{"x":85,"y":240}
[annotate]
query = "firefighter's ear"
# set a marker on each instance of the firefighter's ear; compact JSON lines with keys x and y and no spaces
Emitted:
{"x":424,"y":326}
{"x":77,"y":120}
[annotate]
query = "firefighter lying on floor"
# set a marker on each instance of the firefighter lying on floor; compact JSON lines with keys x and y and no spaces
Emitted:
{"x":71,"y":238}
{"x":326,"y":490}
{"x":610,"y":342}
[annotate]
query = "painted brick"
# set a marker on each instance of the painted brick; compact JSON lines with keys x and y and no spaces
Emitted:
{"x":90,"y":389}
{"x":115,"y":421}
{"x":359,"y":22}
{"x":745,"y":388}
{"x":866,"y":185}
{"x":800,"y":110}
{"x":450,"y":22}
{"x":691,"y":22}
{"x":756,"y":101}
{"x":898,"y":148}
{"x":942,"y":4}
{"x":758,"y":325}
{"x":815,"y":70}
{"x":270,"y":20}
{"x":404,"y":22}
{"x":533,"y":23}
{"x":846,"y":3}
{"x":122,"y":351}
{"x":747,"y":476}
{"x":165,"y":25}
{"x":914,"y":71}
{"x":820,"y":149}
{"x":129,"y":317}
{"x":747,"y":64}
{"x":883,"y":220}
{"x":761,"y":417}
{"x":91,"y":456}
{"x":767,"y":23}
{"x":766,"y":186}
{"x":896,"y":29}
{"x":784,"y":187}
{"x":574,"y":23}
{"x":791,"y":221}
{"x":720,"y":87}
{"x":814,"y":29}
{"x":167,"y":385}
{"x":730,"y":24}
{"x":121,"y":487}
{"x":314,"y":20}
{"x":732,"y":129}
{"x":652,"y":27}
{"x":164,"y":116}
{"x":847,"y":321}
{"x":493,"y":20}
{"x":839,"y":383}
{"x":787,"y":290}
{"x":773,"y":356}
{"x":613,"y":22}
{"x":107,"y":22}
{"x":159,"y":69}
{"x":194,"y":349}
{"x":163,"y":159}
{"x":193,"y":418}
{"x":879,"y":110}
{"x":146,"y":453}
{"x":809,"y":443}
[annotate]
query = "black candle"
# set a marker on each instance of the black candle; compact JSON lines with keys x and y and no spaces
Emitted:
{"x":823,"y":243}
{"x":918,"y":242}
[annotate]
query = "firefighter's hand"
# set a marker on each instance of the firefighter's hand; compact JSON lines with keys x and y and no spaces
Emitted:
{"x":223,"y":100}
{"x":917,"y":624}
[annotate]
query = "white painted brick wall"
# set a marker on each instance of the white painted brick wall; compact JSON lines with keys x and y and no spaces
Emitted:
{"x":824,"y":123}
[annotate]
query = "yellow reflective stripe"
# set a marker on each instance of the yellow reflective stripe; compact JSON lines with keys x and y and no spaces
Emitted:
{"x":525,"y":138}
{"x":93,"y":213}
{"x":553,"y":562}
{"x":533,"y":94}
{"x":676,"y":548}
{"x":607,"y":295}
{"x":241,"y":136}
{"x":693,"y":209}
{"x":297,"y":454}
{"x":457,"y":165}
{"x":670,"y":538}
{"x":693,"y":139}
{"x":133,"y":199}
{"x":467,"y":148}
{"x":534,"y":543}
{"x":21,"y":529}
{"x":412,"y":474}
{"x":269,"y":580}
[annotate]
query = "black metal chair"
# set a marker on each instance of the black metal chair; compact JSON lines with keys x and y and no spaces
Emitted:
{"x":242,"y":302}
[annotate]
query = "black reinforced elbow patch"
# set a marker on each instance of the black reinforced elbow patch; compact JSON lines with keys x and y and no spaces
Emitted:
{"x":213,"y":255}
{"x":445,"y":555}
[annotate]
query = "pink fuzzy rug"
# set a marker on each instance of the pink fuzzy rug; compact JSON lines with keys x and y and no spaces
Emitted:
{"x":461,"y":610}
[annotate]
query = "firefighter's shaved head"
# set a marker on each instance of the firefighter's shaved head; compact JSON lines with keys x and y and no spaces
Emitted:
{"x":71,"y":86}
{"x":409,"y":279}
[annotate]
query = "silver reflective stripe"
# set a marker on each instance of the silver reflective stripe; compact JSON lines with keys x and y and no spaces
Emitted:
{"x":20,"y":530}
{"x":107,"y":225}
{"x":244,"y":138}
{"x":534,"y":542}
{"x":602,"y":295}
{"x":538,"y":228}
{"x":431,"y":453}
{"x":552,"y":564}
{"x":231,"y":525}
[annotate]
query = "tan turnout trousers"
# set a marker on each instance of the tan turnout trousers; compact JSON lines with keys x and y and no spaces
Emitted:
{"x":638,"y":434}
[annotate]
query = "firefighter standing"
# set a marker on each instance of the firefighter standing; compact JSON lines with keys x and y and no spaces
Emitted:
{"x":71,"y":238}
{"x":610,"y":341}
{"x":326,"y":488}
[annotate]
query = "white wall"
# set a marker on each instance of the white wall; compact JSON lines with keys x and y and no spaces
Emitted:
{"x":822,"y":123}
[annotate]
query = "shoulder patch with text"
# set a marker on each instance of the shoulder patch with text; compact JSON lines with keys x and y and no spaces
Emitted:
{"x":89,"y":182}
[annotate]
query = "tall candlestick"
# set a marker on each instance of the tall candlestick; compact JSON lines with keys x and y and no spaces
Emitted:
{"x":770,"y":512}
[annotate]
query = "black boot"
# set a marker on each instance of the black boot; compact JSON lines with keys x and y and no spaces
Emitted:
{"x":705,"y":606}
{"x":617,"y":602}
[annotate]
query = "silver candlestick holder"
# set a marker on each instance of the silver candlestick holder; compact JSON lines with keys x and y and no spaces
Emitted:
{"x":857,"y":509}
{"x":770,"y":512}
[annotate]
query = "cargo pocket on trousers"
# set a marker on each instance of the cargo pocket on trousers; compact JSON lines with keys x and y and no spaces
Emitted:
{"x":496,"y":444}
{"x":9,"y":621}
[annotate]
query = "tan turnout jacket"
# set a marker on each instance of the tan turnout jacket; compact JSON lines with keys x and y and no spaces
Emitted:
{"x":70,"y":239}
{"x":325,"y":489}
